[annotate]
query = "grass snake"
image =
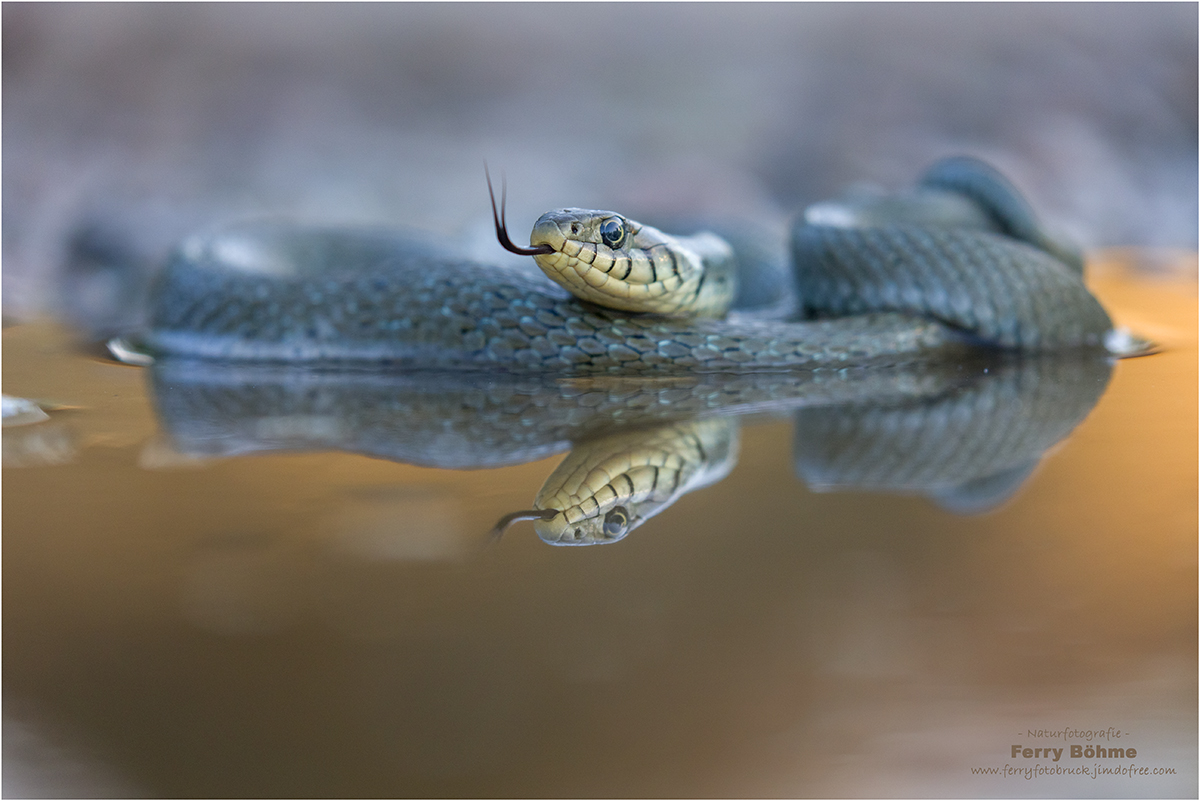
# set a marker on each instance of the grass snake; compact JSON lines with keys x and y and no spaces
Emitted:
{"x":909,"y":284}
{"x":958,"y":260}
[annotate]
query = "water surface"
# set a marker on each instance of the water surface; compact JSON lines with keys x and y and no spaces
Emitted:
{"x":206,"y":594}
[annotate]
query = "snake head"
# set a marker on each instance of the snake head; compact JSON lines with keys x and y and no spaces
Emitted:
{"x":609,"y":526}
{"x":553,"y":526}
{"x":613,"y":261}
{"x":585,"y":226}
{"x":610,"y":260}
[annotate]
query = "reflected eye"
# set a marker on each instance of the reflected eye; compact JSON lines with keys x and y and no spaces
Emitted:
{"x":612,"y":232}
{"x":615,"y":522}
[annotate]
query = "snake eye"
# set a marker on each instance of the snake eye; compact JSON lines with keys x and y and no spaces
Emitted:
{"x":612,"y":232}
{"x":615,"y":522}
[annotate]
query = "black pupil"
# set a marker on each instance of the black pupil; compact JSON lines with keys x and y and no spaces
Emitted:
{"x":614,"y":521}
{"x":612,"y":233}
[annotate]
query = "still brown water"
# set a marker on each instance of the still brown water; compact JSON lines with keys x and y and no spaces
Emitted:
{"x":182,"y":621}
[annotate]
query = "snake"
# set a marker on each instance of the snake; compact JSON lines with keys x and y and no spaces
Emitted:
{"x":958,"y":261}
{"x":956,"y":265}
{"x":963,"y":434}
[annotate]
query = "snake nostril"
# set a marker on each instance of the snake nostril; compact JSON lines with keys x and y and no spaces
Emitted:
{"x":575,"y":228}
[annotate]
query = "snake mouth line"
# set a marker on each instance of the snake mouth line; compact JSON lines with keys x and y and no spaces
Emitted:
{"x":502,"y":224}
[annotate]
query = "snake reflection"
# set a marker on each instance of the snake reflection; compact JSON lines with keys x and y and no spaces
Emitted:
{"x":963,"y":434}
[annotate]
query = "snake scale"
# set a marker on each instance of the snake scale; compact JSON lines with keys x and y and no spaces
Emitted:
{"x":959,"y":260}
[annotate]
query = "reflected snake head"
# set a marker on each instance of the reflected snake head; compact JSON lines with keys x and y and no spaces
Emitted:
{"x":608,"y":486}
{"x":602,"y":528}
{"x":553,"y":527}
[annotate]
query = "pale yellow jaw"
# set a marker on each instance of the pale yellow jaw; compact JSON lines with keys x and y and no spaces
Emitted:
{"x":634,"y":285}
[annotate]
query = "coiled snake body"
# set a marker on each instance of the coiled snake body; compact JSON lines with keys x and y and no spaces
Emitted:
{"x":915,"y":277}
{"x":890,"y":279}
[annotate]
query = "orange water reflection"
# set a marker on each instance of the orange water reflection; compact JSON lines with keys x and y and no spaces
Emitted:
{"x":329,"y":624}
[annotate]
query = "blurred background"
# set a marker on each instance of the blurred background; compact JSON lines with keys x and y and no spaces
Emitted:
{"x":128,"y":126}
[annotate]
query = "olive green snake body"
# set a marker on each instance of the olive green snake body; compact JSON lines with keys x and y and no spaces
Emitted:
{"x":965,"y":262}
{"x":905,"y":286}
